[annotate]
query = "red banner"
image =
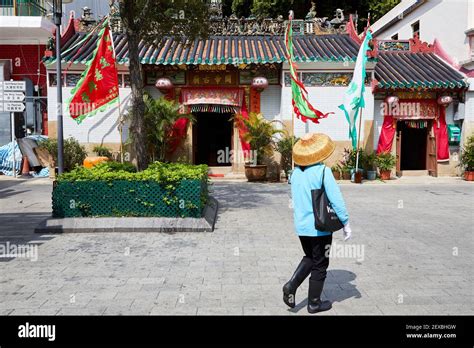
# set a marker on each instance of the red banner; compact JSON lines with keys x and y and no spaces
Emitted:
{"x":98,"y":86}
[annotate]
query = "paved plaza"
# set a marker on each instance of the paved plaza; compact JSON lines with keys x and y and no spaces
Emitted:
{"x":411,"y":253}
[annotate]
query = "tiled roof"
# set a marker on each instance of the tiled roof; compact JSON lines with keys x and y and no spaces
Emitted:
{"x":222,"y":50}
{"x":413,"y":70}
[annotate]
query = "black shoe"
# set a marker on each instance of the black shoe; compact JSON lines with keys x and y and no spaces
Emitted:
{"x":301,"y":272}
{"x":315,"y":304}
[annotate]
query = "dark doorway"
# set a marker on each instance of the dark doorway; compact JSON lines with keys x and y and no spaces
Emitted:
{"x":212,"y":134}
{"x":413,"y":146}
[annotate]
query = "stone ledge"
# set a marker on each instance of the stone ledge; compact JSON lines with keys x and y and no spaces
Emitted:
{"x":133,"y":224}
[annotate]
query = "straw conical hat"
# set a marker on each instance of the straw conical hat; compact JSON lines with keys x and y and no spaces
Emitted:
{"x":312,"y":148}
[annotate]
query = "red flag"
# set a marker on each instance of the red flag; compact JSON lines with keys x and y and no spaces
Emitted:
{"x":98,"y":87}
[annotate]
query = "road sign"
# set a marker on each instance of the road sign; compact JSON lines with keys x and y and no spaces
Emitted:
{"x":13,"y":106}
{"x":18,"y":86}
{"x":13,"y":96}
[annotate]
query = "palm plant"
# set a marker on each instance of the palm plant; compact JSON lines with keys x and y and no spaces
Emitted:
{"x":160,"y":116}
{"x":260,"y":134}
{"x":285,"y":147}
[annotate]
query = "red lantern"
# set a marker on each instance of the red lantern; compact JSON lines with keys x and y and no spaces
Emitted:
{"x":445,"y":100}
{"x":259,"y":83}
{"x":164,"y":85}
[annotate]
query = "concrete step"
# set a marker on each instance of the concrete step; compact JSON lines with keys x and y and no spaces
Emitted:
{"x":414,"y":173}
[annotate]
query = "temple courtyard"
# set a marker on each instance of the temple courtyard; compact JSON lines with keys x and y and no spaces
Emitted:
{"x":411,"y":253}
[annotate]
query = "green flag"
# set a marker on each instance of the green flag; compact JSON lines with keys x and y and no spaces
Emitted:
{"x":354,"y":96}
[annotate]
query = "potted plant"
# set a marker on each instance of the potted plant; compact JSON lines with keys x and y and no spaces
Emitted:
{"x":371,"y":168}
{"x":260,"y":135}
{"x":285,"y":146}
{"x":466,"y":160}
{"x":336,"y":171}
{"x":346,"y":172}
{"x":385,"y":162}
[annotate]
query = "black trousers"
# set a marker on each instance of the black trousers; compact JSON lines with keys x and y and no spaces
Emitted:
{"x":317,"y":249}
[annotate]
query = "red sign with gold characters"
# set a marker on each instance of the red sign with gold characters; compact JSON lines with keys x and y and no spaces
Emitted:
{"x":98,"y":86}
{"x":213,"y":78}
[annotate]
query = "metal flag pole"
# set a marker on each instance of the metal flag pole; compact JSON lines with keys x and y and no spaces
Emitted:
{"x":13,"y":144}
{"x":120,"y":118}
{"x":358,"y":141}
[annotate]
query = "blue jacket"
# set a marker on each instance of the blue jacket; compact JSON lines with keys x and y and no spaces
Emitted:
{"x":302,"y":182}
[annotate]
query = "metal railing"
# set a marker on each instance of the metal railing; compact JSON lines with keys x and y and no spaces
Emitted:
{"x":23,"y":8}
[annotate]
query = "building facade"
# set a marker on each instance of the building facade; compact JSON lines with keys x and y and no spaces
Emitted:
{"x":213,"y":80}
{"x":24,"y":34}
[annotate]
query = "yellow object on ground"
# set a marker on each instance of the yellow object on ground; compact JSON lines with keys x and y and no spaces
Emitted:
{"x":90,"y":162}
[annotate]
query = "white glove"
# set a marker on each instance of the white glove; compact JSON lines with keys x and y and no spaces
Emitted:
{"x":347,"y":232}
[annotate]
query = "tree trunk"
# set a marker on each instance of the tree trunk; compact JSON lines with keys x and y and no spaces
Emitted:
{"x":137,"y":126}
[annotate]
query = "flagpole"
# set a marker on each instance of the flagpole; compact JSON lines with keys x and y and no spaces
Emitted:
{"x":120,"y":118}
{"x":358,"y":141}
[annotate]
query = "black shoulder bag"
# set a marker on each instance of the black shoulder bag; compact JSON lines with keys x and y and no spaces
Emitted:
{"x":325,"y":218}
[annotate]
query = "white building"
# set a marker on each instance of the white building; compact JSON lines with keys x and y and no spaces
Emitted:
{"x":410,"y":70}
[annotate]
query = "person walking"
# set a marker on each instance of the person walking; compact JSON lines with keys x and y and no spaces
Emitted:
{"x":308,"y":154}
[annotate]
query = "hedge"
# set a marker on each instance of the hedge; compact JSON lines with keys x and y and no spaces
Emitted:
{"x":112,"y":189}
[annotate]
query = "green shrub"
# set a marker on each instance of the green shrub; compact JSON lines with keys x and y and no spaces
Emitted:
{"x":158,"y":171}
{"x":370,"y":161}
{"x":285,"y":147}
{"x":74,"y":153}
{"x":467,"y":155}
{"x":385,"y":161}
{"x":102,"y":151}
{"x":115,"y":189}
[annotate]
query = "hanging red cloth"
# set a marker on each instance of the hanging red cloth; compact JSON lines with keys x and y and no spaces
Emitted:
{"x":178,"y":131}
{"x":441,"y":132}
{"x":386,"y":135}
{"x":243,"y":129}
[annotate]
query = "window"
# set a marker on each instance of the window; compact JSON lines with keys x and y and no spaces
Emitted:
{"x":72,"y":79}
{"x":394,"y":37}
{"x":415,"y":27}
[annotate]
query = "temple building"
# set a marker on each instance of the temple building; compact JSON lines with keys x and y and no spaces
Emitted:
{"x":242,"y":66}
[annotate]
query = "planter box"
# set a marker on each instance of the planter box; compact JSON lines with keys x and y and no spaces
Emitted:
{"x":128,"y":198}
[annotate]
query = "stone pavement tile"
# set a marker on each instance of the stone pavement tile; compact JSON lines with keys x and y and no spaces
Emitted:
{"x":35,"y":311}
{"x":127,"y":310}
{"x":219,"y":310}
{"x":453,"y":299}
{"x":146,"y":280}
{"x":17,"y":304}
{"x":82,"y":311}
{"x":95,"y":303}
{"x":452,"y":309}
{"x":344,"y":309}
{"x":248,"y":310}
{"x":178,"y":310}
{"x":120,"y":295}
{"x":402,"y":309}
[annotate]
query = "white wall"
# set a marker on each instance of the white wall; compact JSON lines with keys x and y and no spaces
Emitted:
{"x":326,"y":99}
{"x":100,"y":128}
{"x":444,"y":20}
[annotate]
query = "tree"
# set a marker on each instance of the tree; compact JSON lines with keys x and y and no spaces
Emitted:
{"x":151,"y":21}
{"x":380,"y":7}
{"x":271,"y":8}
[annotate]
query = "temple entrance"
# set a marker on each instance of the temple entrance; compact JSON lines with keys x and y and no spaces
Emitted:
{"x":212,"y":136}
{"x":414,"y":136}
{"x":416,"y":148}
